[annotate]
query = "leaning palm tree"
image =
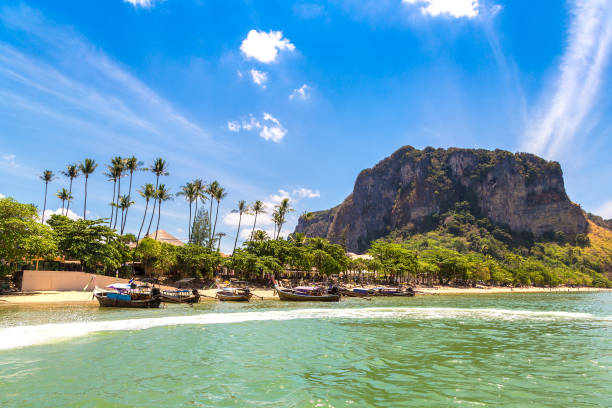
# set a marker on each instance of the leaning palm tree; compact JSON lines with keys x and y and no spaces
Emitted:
{"x":87,"y":167}
{"x":118,"y":164}
{"x":220,"y":194}
{"x":219,"y":236}
{"x":64,"y":195}
{"x":159,"y":168}
{"x":72,"y":172}
{"x":124,"y":204}
{"x":163,"y":194}
{"x":190,"y":193}
{"x":211,"y":190}
{"x":147,"y":192}
{"x":257,"y":208}
{"x":283,"y":208}
{"x":113,"y":175}
{"x":47,"y":176}
{"x":132,"y":164}
{"x":242,"y":208}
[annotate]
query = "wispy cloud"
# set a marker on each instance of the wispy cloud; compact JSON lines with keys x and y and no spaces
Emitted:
{"x":264,"y":47}
{"x":259,"y":77}
{"x":300,"y":93}
{"x":453,"y":8}
{"x":141,"y":3}
{"x":605,"y":210}
{"x":563,"y":113}
{"x":270,"y":128}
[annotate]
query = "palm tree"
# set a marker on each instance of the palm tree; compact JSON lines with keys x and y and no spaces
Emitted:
{"x":190,"y":194}
{"x":47,"y":176}
{"x":200,"y":191}
{"x":112,"y":174}
{"x":257,"y":208}
{"x":260,"y":236}
{"x":147,"y":192}
{"x":242,"y":208}
{"x":210,"y":190}
{"x":64,"y":195}
{"x":132,"y":164}
{"x":219,"y":236}
{"x":219,"y":195}
{"x":283,"y":208}
{"x":118,"y":165}
{"x":163,"y":194}
{"x":276,"y":217}
{"x":72,"y":172}
{"x":87,"y":167}
{"x":124,"y":204}
{"x":160,"y":168}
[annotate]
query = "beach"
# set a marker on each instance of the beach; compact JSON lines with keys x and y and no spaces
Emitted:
{"x":74,"y":297}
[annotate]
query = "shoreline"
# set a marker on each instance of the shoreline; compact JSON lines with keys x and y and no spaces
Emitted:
{"x":86,"y":298}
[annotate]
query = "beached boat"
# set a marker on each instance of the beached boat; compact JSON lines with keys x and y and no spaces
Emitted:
{"x":393,"y":292}
{"x":234,"y":294}
{"x":127,"y":299}
{"x":357,"y":292}
{"x":180,"y":296}
{"x":306,"y":294}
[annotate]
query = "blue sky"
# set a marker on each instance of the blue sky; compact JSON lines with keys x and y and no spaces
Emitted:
{"x":279,"y":98}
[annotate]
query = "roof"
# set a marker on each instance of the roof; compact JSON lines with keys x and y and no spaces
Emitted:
{"x":163,"y":236}
{"x":355,"y":256}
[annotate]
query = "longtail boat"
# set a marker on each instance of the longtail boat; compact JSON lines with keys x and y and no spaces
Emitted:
{"x":180,"y":296}
{"x":126,"y":298}
{"x":234,"y":294}
{"x":394,"y":292}
{"x":306,"y":294}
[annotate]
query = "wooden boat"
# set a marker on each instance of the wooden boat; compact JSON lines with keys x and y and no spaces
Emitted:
{"x":356,"y":292}
{"x":394,"y":292}
{"x":234,"y":294}
{"x":180,"y":296}
{"x":132,"y":300}
{"x":306,"y":294}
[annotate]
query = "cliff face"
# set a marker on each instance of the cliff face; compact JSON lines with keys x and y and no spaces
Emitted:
{"x":411,"y":188}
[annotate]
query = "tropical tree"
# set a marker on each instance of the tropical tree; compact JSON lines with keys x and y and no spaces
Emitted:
{"x":64,"y":195}
{"x":47,"y":176}
{"x":219,"y":195}
{"x":147,"y":192}
{"x":162,"y":194}
{"x":124,"y":204}
{"x":257,"y":208}
{"x":113,"y":175}
{"x":159,"y":168}
{"x":211,"y":190}
{"x":260,"y":235}
{"x":242,"y":208}
{"x":87,"y":167}
{"x":72,"y":172}
{"x":189,"y":191}
{"x":283,"y":208}
{"x":118,"y":165}
{"x":200,"y":232}
{"x":132,"y":164}
{"x":219,"y":236}
{"x":200,"y":192}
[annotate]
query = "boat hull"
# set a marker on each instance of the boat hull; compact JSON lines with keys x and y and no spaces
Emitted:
{"x":233,"y":298}
{"x":150,"y":303}
{"x":293,"y":297}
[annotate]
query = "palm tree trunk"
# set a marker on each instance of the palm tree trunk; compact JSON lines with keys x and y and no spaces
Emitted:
{"x":129,"y":199}
{"x":63,"y":202}
{"x":110,"y":222}
{"x":68,"y":206}
{"x":254,"y":222}
{"x":158,"y":217}
{"x":144,"y":217}
{"x":195,"y":214}
{"x":42,"y":218}
{"x":280,"y":225}
{"x":237,"y":232}
{"x":219,"y":244}
{"x":189,"y":225}
{"x":118,"y":195}
{"x":85,"y":202}
{"x":209,"y":223}
{"x":215,"y":227}
{"x":154,"y":204}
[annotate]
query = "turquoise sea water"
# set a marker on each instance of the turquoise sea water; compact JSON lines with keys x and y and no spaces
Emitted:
{"x":514,"y":350}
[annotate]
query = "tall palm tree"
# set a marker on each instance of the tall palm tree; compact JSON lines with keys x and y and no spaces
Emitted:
{"x":87,"y":167}
{"x":242,"y":208}
{"x":257,"y":208}
{"x":132,"y":164}
{"x":72,"y":172}
{"x":118,"y":165}
{"x":163,"y":194}
{"x":276,"y":217}
{"x":147,"y":192}
{"x":283,"y":208}
{"x":189,"y":192}
{"x":124,"y":204}
{"x":211,"y":190}
{"x":64,"y":195}
{"x":220,"y":194}
{"x":159,"y":168}
{"x":47,"y":176}
{"x":113,"y":175}
{"x":200,"y":191}
{"x":260,"y":236}
{"x":219,"y":236}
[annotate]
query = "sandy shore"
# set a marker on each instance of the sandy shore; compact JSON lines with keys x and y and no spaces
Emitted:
{"x":86,"y":297}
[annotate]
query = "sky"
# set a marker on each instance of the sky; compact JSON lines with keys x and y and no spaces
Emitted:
{"x":277,"y":99}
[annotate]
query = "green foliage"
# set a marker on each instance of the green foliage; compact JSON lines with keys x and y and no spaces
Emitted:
{"x":200,"y":233}
{"x":22,"y":236}
{"x":197,"y":261}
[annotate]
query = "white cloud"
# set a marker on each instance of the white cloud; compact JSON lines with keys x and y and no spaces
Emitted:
{"x":454,"y":8}
{"x":306,"y":193}
{"x":9,"y":158}
{"x":233,"y":126}
{"x":562,"y":115}
{"x":269,"y":129}
{"x":605,"y":210}
{"x":259,"y":77}
{"x":2,"y":195}
{"x":140,"y":3}
{"x":300,"y":93}
{"x":71,"y":214}
{"x":495,"y":9}
{"x":264,"y":47}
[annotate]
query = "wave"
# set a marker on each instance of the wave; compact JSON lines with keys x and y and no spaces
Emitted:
{"x":22,"y":336}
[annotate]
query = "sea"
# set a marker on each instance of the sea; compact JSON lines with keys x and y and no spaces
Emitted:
{"x":503,"y":350}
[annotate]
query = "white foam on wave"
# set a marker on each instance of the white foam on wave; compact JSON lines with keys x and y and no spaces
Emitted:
{"x":21,"y":336}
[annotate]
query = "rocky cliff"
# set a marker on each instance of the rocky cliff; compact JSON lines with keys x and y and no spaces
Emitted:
{"x":410,"y":189}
